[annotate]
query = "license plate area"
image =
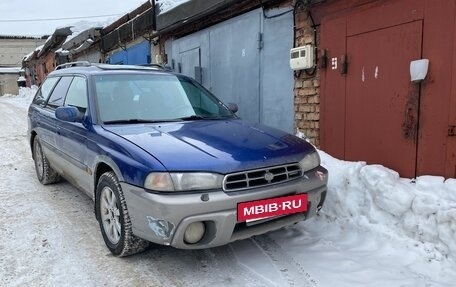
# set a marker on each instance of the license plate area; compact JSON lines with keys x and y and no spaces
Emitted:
{"x":258,"y":211}
{"x":252,"y":222}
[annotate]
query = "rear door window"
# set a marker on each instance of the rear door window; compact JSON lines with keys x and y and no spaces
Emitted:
{"x":58,"y":95}
{"x":45,"y":90}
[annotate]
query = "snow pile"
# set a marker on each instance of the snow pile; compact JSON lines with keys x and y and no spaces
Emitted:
{"x":376,"y":198}
{"x":25,"y":96}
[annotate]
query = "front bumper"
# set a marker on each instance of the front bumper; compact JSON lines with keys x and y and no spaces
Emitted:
{"x":163,"y":218}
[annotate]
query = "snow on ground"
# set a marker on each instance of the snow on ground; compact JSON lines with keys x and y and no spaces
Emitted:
{"x":376,"y":229}
{"x":24,"y":98}
{"x":374,"y":197}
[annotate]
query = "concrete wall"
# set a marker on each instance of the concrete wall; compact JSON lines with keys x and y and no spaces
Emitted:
{"x":12,"y":51}
{"x":92,"y":55}
{"x":8,"y":84}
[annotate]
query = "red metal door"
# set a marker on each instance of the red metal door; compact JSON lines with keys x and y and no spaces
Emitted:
{"x":381,"y":120}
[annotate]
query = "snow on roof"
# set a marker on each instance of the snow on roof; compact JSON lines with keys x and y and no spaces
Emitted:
{"x":54,"y":38}
{"x":29,"y":56}
{"x":12,"y":70}
{"x":166,"y":5}
{"x":39,"y":48}
{"x":61,"y":51}
{"x":82,"y":26}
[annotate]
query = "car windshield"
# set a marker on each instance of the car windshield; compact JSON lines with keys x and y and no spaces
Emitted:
{"x":143,"y":98}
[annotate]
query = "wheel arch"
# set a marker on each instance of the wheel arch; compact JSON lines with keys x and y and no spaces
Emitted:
{"x":102,"y":167}
{"x":32,"y":140}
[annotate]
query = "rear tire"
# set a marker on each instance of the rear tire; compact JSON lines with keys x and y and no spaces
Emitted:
{"x":112,"y":213}
{"x":44,"y":171}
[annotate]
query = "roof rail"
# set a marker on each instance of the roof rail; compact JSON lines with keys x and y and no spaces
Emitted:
{"x":158,"y":66}
{"x":73,"y":64}
{"x":143,"y":67}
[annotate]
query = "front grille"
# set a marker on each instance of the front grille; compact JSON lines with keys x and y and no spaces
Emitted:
{"x":261,"y":177}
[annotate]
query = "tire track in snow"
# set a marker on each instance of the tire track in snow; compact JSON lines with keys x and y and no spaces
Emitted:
{"x":262,"y":256}
{"x":292,"y":270}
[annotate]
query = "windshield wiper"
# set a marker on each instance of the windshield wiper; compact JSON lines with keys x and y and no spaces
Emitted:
{"x":137,"y":121}
{"x":192,"y":118}
{"x":198,"y":117}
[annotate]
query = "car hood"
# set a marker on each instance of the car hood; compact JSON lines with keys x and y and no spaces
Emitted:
{"x":221,"y":146}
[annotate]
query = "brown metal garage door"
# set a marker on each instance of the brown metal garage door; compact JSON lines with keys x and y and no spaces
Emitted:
{"x":369,"y":106}
{"x":381,"y":103}
{"x":370,"y":110}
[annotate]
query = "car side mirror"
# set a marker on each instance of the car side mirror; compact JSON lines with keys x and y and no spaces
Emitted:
{"x":232,"y":107}
{"x":69,"y":114}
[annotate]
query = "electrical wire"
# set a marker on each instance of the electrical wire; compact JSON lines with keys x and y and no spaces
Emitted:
{"x":57,"y":19}
{"x":298,"y":3}
{"x":314,"y":70}
{"x":276,"y":15}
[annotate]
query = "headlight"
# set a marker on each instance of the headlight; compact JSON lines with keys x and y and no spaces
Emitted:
{"x":182,"y":181}
{"x":160,"y":181}
{"x":310,"y":161}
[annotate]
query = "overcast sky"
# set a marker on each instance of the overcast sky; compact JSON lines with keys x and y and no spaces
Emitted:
{"x":51,"y":9}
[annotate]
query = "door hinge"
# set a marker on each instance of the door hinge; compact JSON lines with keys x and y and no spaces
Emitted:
{"x":260,"y":41}
{"x":344,"y":65}
{"x":323,"y":59}
{"x":451,"y":131}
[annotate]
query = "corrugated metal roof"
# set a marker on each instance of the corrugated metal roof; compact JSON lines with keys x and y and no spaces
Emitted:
{"x":193,"y":10}
{"x":125,"y":18}
{"x":57,"y":38}
{"x":82,"y":37}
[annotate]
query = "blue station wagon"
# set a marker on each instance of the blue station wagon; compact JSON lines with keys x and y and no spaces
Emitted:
{"x":167,"y":162}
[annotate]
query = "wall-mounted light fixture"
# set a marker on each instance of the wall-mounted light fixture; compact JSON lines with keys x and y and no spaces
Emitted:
{"x":418,"y":70}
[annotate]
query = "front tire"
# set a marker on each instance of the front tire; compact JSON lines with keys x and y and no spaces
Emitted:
{"x":112,"y":214}
{"x":44,"y":171}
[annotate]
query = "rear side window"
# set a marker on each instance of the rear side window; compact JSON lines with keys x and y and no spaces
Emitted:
{"x":43,"y":93}
{"x":77,"y":94}
{"x":58,"y":95}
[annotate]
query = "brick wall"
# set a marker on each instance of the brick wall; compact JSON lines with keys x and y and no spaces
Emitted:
{"x":307,"y":87}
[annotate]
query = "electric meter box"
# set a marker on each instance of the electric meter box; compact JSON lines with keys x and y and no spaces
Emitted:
{"x":302,"y":58}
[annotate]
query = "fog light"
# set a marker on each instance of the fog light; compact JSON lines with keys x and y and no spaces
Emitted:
{"x":194,"y":232}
